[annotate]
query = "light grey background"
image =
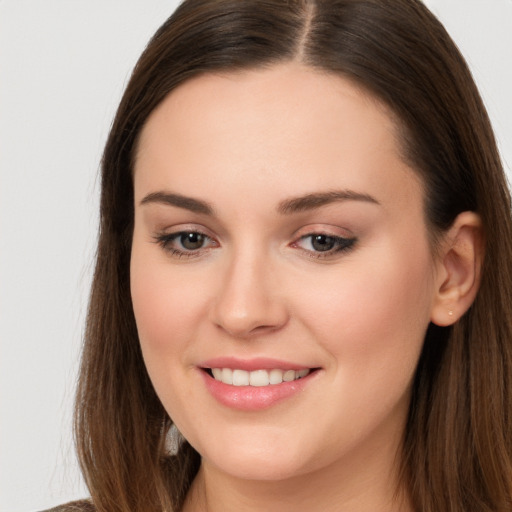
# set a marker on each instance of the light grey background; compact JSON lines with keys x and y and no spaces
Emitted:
{"x":63,"y":66}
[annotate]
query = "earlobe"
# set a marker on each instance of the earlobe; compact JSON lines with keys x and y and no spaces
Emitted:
{"x":458,"y":269}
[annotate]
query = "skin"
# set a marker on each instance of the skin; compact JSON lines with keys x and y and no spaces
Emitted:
{"x":244,"y":143}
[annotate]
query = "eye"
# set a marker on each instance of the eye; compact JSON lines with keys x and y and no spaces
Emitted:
{"x":191,"y":241}
{"x":323,"y":245}
{"x":185,"y":243}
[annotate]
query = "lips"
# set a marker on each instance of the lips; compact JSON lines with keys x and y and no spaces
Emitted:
{"x":255,"y":384}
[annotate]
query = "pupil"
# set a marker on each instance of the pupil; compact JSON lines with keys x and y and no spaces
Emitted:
{"x":323,"y":242}
{"x":192,"y":241}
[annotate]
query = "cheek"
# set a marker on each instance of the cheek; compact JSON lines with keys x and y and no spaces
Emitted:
{"x":166,"y":309}
{"x":162,"y":302}
{"x":372,"y":310}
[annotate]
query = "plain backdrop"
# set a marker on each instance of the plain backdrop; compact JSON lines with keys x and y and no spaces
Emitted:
{"x":63,"y":66}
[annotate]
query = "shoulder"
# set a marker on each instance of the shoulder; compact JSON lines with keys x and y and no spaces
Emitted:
{"x":74,"y":506}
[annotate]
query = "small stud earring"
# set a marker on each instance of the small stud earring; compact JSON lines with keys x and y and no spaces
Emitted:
{"x":450,"y":313}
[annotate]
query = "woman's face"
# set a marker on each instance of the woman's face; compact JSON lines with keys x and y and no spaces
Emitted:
{"x":281,"y":275}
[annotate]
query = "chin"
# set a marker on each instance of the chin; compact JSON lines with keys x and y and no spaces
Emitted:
{"x":258,"y":469}
{"x":257,"y":460}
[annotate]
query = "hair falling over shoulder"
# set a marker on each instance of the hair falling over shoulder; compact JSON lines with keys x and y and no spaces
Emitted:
{"x":457,"y":448}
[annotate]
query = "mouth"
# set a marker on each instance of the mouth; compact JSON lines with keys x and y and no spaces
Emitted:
{"x":257,"y":378}
{"x":258,"y":383}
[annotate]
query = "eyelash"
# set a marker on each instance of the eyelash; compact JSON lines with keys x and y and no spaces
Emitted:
{"x":165,"y":241}
{"x":341,"y":244}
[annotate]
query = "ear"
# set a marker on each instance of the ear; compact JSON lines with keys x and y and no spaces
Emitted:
{"x":458,"y":269}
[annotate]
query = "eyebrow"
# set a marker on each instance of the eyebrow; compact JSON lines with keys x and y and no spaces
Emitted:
{"x":188,"y":203}
{"x":288,"y":206}
{"x":316,"y":200}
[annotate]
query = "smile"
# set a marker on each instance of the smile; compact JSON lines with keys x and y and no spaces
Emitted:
{"x":257,"y":378}
{"x":257,"y":383}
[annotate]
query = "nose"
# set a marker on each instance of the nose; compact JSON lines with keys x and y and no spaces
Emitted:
{"x":250,"y":300}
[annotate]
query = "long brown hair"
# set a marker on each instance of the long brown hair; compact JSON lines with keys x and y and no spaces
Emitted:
{"x":457,"y":449}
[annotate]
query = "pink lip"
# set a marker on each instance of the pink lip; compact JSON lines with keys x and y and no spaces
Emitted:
{"x":251,"y":398}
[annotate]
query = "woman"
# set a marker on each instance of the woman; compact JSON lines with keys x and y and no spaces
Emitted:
{"x":302,"y":291}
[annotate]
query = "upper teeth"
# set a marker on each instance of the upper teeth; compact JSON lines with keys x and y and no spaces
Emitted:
{"x":257,"y":377}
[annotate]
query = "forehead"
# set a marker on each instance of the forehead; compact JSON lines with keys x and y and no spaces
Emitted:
{"x":287,"y":126}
